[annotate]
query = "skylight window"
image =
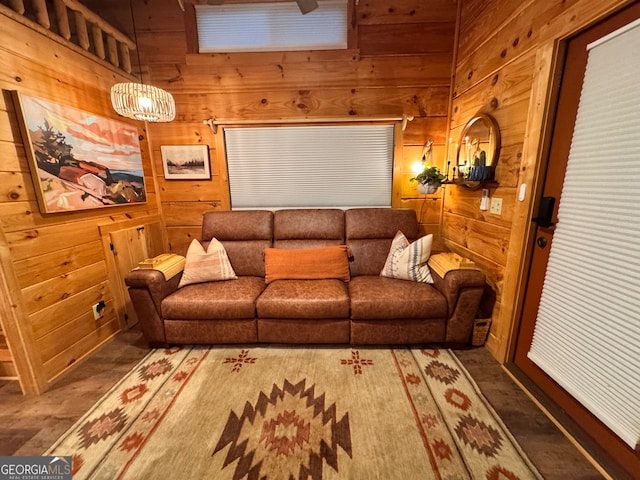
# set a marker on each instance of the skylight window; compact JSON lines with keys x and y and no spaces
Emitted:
{"x":267,"y":27}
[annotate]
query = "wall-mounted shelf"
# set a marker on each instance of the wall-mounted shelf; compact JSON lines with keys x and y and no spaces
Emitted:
{"x":473,"y":184}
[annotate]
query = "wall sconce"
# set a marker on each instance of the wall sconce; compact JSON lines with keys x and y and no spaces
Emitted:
{"x":428,"y":176}
{"x":427,"y":157}
{"x":427,"y":152}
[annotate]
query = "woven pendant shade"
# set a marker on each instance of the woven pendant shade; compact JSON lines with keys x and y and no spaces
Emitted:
{"x":143,"y":102}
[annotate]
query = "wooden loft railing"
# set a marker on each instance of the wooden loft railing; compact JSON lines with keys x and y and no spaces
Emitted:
{"x":75,"y":23}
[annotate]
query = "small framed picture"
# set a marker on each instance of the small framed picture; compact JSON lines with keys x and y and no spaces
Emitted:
{"x":185,"y":162}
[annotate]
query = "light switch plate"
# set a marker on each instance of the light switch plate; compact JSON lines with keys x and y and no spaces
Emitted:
{"x":496,"y":206}
{"x":484,"y":201}
{"x":523,"y":192}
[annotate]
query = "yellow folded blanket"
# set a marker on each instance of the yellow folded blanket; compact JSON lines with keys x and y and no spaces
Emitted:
{"x":169,"y":264}
{"x":441,"y":263}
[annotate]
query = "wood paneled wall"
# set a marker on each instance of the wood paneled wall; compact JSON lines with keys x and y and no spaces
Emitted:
{"x":506,"y":55}
{"x":401,"y":65}
{"x":53,"y":266}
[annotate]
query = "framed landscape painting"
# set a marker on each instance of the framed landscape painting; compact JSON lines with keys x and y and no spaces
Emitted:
{"x":185,"y":162}
{"x":79,"y":160}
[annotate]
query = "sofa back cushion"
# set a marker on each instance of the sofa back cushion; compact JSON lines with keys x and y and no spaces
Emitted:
{"x":244,"y":234}
{"x":370,"y":231}
{"x":308,"y":228}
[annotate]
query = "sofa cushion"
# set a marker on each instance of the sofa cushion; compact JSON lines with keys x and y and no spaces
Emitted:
{"x":211,"y":332}
{"x":247,"y":257}
{"x":408,"y":261}
{"x":206,"y":266}
{"x":375,"y":297}
{"x":374,"y":223}
{"x":306,"y":263}
{"x":214,"y":300}
{"x":308,"y":228}
{"x":304,"y":299}
{"x":238,"y":225}
{"x":368,"y":256}
{"x":244,"y":234}
{"x":305,"y":330}
{"x":398,"y":331}
{"x":369,"y":232}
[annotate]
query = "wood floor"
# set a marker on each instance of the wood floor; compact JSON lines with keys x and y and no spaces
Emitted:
{"x":30,"y":424}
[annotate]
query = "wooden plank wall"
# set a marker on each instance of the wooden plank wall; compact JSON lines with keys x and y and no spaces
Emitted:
{"x":503,"y":56}
{"x":54,"y":266}
{"x":402,"y":65}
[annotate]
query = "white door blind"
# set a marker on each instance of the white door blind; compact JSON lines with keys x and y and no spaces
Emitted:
{"x":277,"y":26}
{"x":310,"y":166}
{"x":587,"y":334}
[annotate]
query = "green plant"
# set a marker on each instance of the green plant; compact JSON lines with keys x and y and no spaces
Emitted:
{"x":431,"y":175}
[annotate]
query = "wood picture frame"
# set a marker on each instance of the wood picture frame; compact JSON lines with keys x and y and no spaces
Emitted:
{"x":185,"y":162}
{"x":79,"y":160}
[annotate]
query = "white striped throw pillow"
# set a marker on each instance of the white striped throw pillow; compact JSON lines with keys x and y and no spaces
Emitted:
{"x":408,"y":261}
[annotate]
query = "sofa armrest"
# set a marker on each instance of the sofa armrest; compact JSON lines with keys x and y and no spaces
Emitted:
{"x":147,"y":289}
{"x":154,"y":282}
{"x":463,"y":290}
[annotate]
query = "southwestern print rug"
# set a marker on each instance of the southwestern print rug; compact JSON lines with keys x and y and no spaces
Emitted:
{"x":273,"y":412}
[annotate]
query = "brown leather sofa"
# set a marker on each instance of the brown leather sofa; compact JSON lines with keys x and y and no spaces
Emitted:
{"x":368,"y":309}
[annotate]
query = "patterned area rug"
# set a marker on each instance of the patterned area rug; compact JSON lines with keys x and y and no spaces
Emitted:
{"x":294,"y":413}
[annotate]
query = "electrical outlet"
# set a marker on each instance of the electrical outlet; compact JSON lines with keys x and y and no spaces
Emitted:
{"x":98,"y":310}
{"x":496,"y":206}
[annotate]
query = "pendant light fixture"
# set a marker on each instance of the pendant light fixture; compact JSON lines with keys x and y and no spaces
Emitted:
{"x":143,"y":102}
{"x":139,"y":101}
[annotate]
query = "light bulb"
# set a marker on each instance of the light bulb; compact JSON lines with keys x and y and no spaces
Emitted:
{"x":417,"y":167}
{"x":145,"y":102}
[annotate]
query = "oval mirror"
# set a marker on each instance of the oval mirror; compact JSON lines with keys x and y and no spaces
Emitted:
{"x":479,"y":148}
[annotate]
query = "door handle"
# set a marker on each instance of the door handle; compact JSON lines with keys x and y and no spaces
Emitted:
{"x":545,"y":212}
{"x":542,"y":242}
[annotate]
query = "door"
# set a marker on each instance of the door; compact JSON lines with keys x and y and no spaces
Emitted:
{"x":129,"y":247}
{"x":546,"y":224}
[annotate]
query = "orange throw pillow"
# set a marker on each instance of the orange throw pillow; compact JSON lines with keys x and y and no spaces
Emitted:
{"x":306,"y":263}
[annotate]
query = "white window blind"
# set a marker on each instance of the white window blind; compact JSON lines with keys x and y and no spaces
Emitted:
{"x":278,"y":26}
{"x":310,"y":166}
{"x":587,"y":334}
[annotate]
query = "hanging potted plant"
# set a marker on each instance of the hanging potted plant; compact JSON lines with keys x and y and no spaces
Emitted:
{"x":429,"y":179}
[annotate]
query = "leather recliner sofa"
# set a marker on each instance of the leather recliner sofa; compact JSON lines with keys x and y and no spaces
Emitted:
{"x":367,"y":309}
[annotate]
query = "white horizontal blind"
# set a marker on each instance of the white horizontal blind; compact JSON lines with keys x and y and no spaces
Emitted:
{"x":310,"y":166}
{"x":587,"y":334}
{"x":278,"y":26}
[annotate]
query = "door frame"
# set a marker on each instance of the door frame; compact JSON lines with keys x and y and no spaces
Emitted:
{"x":539,"y":130}
{"x":538,"y":133}
{"x":607,"y":441}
